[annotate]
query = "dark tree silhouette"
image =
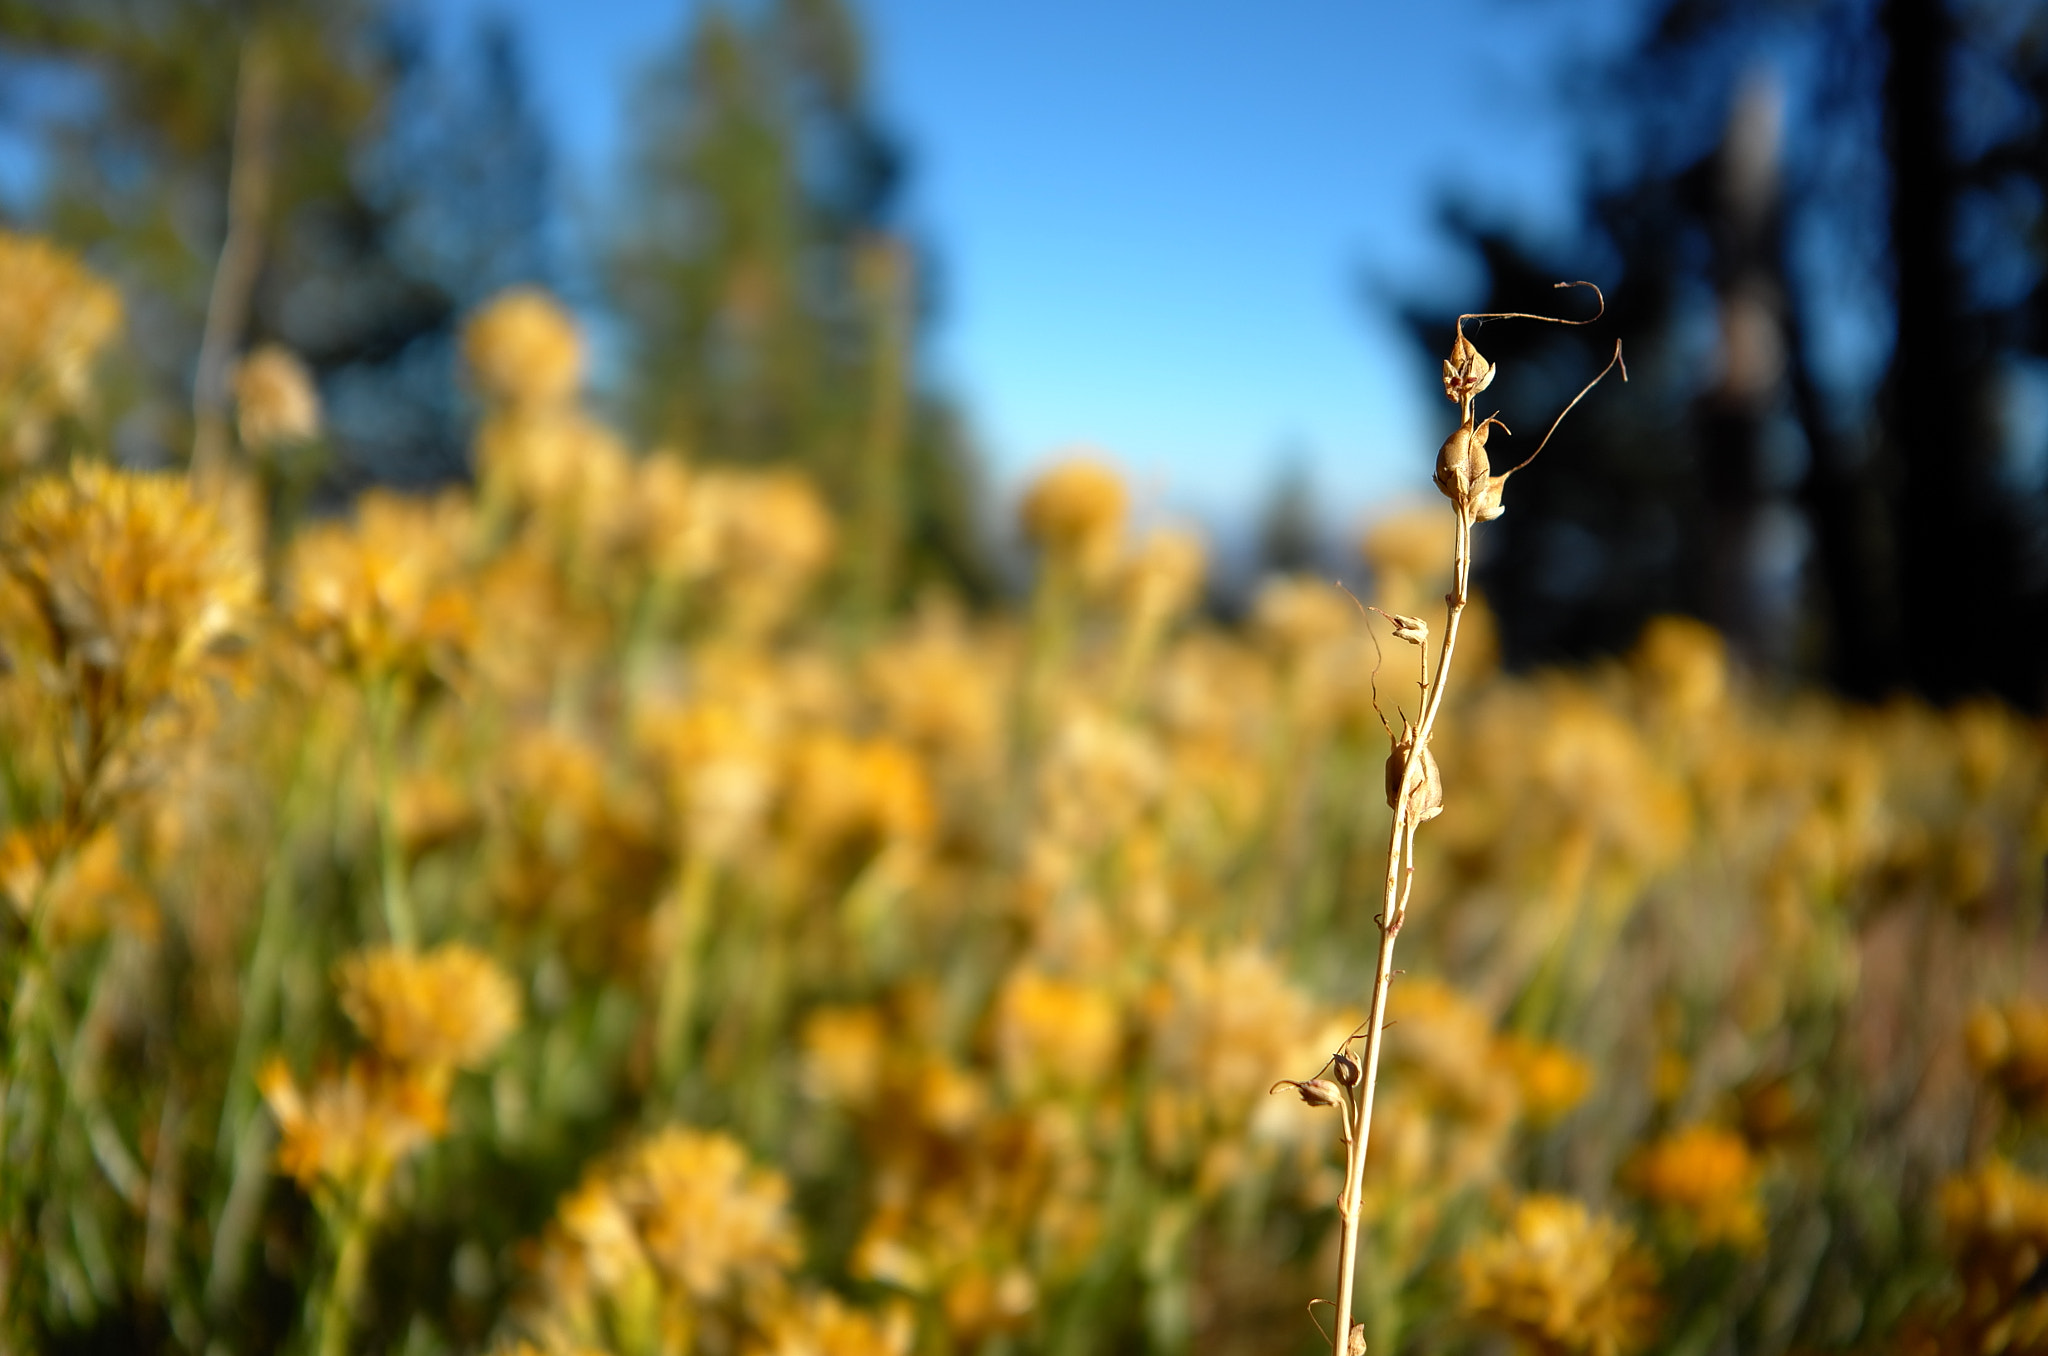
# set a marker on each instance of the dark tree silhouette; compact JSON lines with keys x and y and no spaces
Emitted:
{"x":1875,"y":519}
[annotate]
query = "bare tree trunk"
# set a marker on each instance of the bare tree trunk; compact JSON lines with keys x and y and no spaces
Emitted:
{"x":1753,"y":609}
{"x":241,"y":258}
{"x":1958,"y":540}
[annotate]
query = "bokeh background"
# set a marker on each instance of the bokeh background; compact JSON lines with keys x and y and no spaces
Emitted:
{"x":674,"y":676}
{"x":1202,"y":239}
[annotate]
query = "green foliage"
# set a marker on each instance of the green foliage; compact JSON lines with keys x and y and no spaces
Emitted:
{"x":762,"y":323}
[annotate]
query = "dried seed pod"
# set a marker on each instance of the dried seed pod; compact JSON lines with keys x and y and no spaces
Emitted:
{"x":1426,"y":796}
{"x":1466,"y":371}
{"x":1489,"y":505}
{"x":1314,"y":1091}
{"x":1414,"y":630}
{"x":1347,"y":1069}
{"x":1354,"y":1345}
{"x":1462,"y":470}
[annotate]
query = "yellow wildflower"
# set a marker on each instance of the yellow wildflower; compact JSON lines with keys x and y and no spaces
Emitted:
{"x":707,"y":1218}
{"x":275,"y":400}
{"x":946,"y":1099}
{"x":653,"y":1238}
{"x":90,"y":892}
{"x":856,"y":793}
{"x":769,"y":536}
{"x":559,"y":461}
{"x":2008,"y":1046}
{"x":1997,"y":1220}
{"x":134,"y":589}
{"x":1052,"y":1034}
{"x":1448,"y":1040}
{"x":433,"y":810}
{"x":818,"y":1324}
{"x":1075,"y":512}
{"x":1551,"y":1078}
{"x":1298,"y":613}
{"x":1407,"y":551}
{"x":523,"y":349}
{"x":1097,"y":778}
{"x":723,"y":765}
{"x":605,"y":1246}
{"x":446,"y":1008}
{"x":59,"y":317}
{"x":941,"y":689}
{"x":1562,"y":1280}
{"x":1164,"y":575}
{"x":1683,"y":665}
{"x":1709,"y":1177}
{"x":842,"y":1055}
{"x":978,"y":1302}
{"x":382,"y":596}
{"x":1220,"y":1028}
{"x":350,"y":1129}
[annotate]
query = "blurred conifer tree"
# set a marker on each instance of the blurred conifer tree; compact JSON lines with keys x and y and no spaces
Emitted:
{"x":771,"y":311}
{"x":1290,"y":536}
{"x":398,"y":193}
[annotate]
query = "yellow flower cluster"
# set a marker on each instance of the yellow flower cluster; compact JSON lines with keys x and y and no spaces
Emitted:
{"x":381,"y":596}
{"x":1560,"y":1279}
{"x":123,"y":603}
{"x":978,"y":1199}
{"x":1708,"y":1178}
{"x":424,"y":1016}
{"x":87,"y":894}
{"x":275,"y":399}
{"x":353,"y":1127}
{"x":824,"y":1325}
{"x":524,"y":350}
{"x":59,"y":318}
{"x":1075,"y":512}
{"x":132,"y":578}
{"x":1997,"y":1218}
{"x":677,"y":1235}
{"x":2008,"y":1045}
{"x":988,"y":929}
{"x":449,"y":1008}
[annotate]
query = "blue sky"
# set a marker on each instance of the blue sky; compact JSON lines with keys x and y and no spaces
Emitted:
{"x":1159,"y":221}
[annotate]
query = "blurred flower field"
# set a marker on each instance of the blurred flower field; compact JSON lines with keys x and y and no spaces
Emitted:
{"x":545,"y":918}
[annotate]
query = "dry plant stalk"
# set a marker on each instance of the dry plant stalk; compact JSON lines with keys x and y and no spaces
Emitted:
{"x":1415,"y":790}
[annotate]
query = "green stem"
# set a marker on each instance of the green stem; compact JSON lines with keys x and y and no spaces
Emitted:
{"x":878,"y":520}
{"x":351,"y":1263}
{"x":242,"y":1140}
{"x":27,"y":1023}
{"x":679,"y":984}
{"x":399,"y":920}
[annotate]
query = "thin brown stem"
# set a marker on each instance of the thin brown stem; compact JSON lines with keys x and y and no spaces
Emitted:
{"x":1400,"y":882}
{"x":1612,"y":363}
{"x":1349,"y":1206}
{"x":1531,"y":315}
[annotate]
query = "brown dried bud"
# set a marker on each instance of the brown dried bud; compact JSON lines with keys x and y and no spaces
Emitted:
{"x":1414,"y":630}
{"x":1426,"y":796}
{"x":1314,"y":1091}
{"x":1466,"y":371}
{"x":1489,"y":505}
{"x":1462,"y":470}
{"x":1354,"y":1345}
{"x":1347,"y":1069}
{"x":1460,"y":463}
